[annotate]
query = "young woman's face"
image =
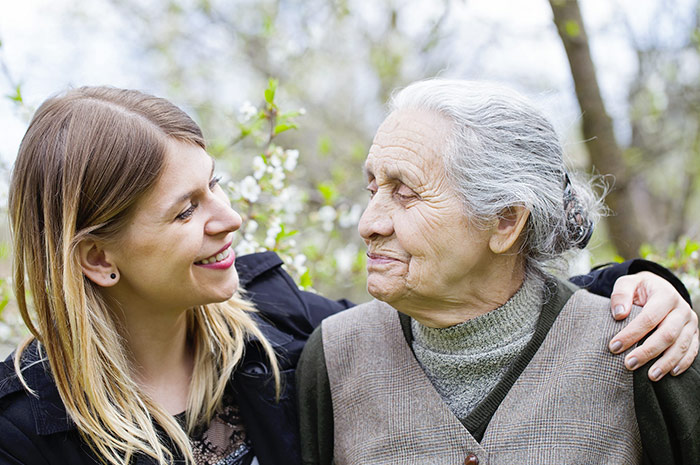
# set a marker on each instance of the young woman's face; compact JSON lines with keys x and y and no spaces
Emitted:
{"x":176,"y":250}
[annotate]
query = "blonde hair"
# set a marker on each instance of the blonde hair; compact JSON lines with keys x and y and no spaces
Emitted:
{"x":88,"y":156}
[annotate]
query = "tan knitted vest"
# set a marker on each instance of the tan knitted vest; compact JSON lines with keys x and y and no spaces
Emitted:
{"x":573,"y":404}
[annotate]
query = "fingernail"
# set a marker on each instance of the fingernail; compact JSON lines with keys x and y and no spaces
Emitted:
{"x":675,"y":370}
{"x":656,"y":373}
{"x":615,"y":347}
{"x":618,"y":310}
{"x":631,"y":363}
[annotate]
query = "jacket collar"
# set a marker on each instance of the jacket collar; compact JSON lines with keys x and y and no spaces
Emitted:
{"x":253,"y":265}
{"x":47,"y":408}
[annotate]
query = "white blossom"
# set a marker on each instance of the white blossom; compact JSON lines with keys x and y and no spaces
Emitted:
{"x":345,"y":257}
{"x":326,"y":215}
{"x":291,"y":161}
{"x":275,"y":160}
{"x":249,"y":189}
{"x":272,"y":232}
{"x":277,"y":179}
{"x":302,"y":111}
{"x":258,"y":167}
{"x":246,"y":112}
{"x":350,"y":218}
{"x":251,"y":227}
{"x":299,"y":260}
{"x":245,"y":247}
{"x":289,"y":202}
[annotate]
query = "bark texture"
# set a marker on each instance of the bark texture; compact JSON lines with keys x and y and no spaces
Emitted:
{"x":605,"y":153}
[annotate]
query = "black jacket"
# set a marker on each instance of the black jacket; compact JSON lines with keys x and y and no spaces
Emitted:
{"x":36,"y":430}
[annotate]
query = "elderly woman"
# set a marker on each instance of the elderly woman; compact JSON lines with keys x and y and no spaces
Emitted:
{"x":489,"y":359}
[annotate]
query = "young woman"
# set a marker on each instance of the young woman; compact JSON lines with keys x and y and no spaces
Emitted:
{"x":143,"y":349}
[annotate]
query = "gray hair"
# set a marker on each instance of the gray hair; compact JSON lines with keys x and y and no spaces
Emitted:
{"x":502,"y":153}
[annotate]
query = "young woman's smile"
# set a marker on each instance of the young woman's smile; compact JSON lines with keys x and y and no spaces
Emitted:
{"x":221,"y":260}
{"x":176,"y":251}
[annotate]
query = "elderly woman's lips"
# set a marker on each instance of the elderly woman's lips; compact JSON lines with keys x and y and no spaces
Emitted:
{"x":373,"y":258}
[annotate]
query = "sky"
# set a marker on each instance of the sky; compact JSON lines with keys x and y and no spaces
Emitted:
{"x":50,"y":45}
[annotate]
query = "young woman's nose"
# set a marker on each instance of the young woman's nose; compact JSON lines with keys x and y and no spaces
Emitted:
{"x":224,"y":219}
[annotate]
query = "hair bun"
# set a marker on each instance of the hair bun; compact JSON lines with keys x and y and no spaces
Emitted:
{"x":578,"y":225}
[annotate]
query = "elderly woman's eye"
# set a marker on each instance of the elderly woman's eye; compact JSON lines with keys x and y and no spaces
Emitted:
{"x":405,"y":193}
{"x":372,"y":188}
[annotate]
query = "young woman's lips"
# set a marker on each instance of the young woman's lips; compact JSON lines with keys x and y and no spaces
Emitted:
{"x":227,"y":258}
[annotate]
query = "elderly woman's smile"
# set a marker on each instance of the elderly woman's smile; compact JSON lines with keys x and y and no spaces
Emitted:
{"x":423,"y":252}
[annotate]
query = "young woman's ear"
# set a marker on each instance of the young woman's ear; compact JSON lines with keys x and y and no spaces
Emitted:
{"x":97,"y":264}
{"x":508,"y":229}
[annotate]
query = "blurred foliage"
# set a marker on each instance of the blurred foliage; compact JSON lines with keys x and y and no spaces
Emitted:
{"x":683,"y":258}
{"x":310,"y":235}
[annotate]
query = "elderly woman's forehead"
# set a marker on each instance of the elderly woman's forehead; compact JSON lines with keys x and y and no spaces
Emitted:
{"x":411,"y":124}
{"x":416,"y":135}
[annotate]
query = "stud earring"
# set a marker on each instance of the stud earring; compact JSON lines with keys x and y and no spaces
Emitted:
{"x":113,"y":275}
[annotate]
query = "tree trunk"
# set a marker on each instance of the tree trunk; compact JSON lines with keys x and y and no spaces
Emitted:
{"x":605,"y":153}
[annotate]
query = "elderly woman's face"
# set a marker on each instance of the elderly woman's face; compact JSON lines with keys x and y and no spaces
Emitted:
{"x":421,"y":246}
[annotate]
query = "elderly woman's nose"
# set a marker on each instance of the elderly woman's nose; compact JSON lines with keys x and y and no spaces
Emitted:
{"x":375,"y":221}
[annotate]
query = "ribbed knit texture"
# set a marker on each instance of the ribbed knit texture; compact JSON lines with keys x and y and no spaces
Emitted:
{"x":464,"y":362}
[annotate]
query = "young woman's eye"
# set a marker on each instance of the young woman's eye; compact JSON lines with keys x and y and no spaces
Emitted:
{"x":187,"y":213}
{"x":214,"y":182}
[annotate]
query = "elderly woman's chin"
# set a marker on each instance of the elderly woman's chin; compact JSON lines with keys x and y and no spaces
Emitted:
{"x":387,"y":287}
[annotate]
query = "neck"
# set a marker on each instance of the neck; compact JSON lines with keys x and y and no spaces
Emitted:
{"x":471,"y":298}
{"x":163,"y":358}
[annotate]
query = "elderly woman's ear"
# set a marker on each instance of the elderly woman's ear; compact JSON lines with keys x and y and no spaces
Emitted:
{"x":507,"y":230}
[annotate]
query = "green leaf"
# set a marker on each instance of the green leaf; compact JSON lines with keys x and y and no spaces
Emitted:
{"x":695,"y":36}
{"x":284,"y":127}
{"x":329,"y":192}
{"x":572,"y":28}
{"x":646,"y":250}
{"x":305,"y":280}
{"x":690,"y":247}
{"x":17,"y":96}
{"x":268,"y":25}
{"x":324,"y":145}
{"x":270,"y":91}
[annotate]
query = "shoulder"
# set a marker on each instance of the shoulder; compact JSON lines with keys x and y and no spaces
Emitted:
{"x":277,"y":297}
{"x":29,"y":421}
{"x":587,"y":318}
{"x":360,"y":319}
{"x":41,"y":412}
{"x":584,"y":299}
{"x":11,"y":388}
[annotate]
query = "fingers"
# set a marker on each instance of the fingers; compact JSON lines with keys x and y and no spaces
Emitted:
{"x":654,"y":312}
{"x":674,"y":323}
{"x":657,"y":343}
{"x":689,"y":357}
{"x":624,"y":292}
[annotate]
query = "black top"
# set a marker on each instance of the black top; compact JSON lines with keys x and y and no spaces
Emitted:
{"x":36,"y":430}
